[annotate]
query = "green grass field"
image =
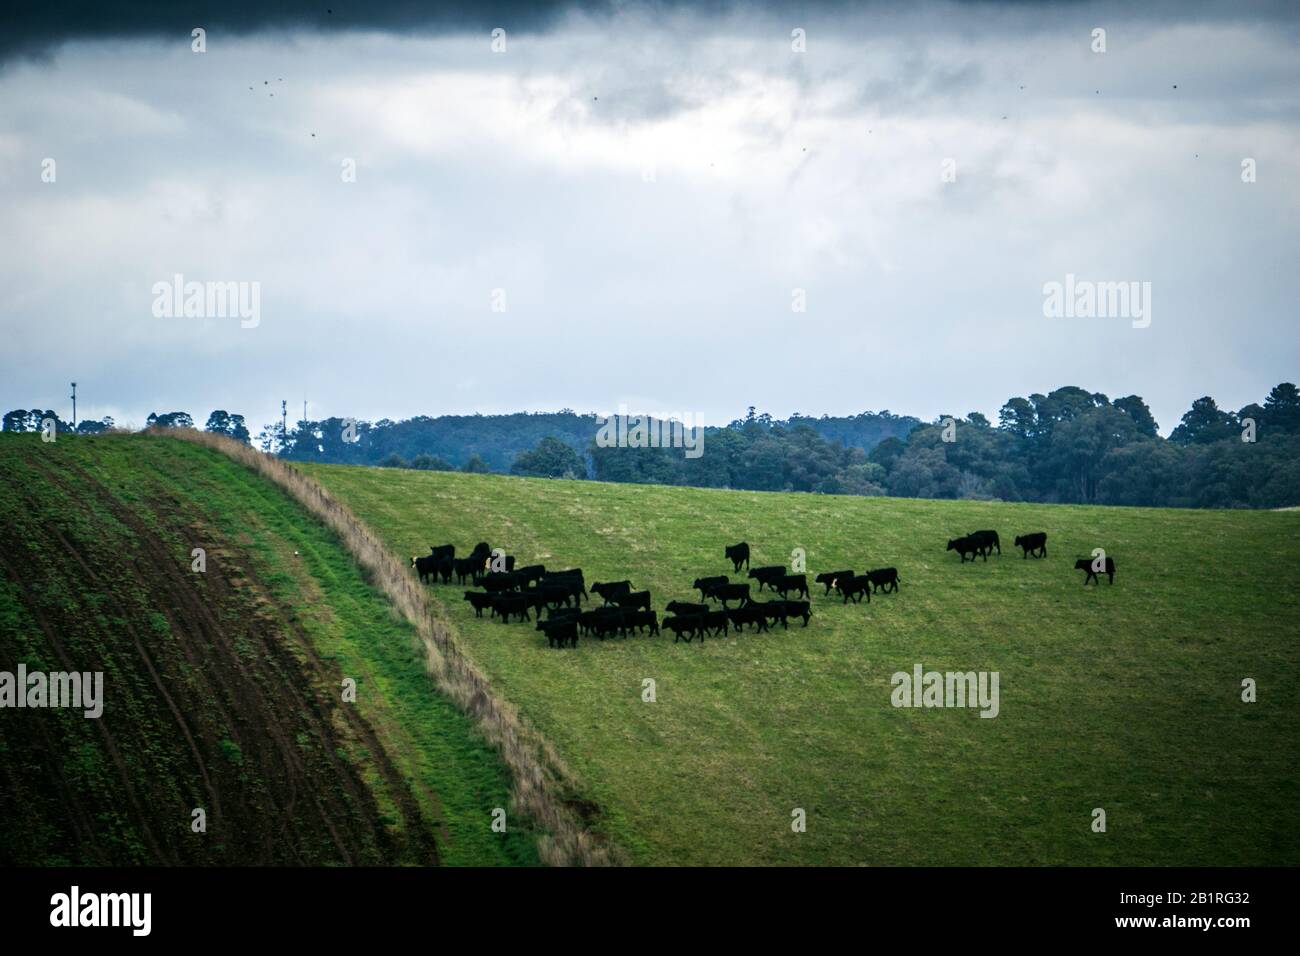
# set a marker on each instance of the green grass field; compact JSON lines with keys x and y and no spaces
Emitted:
{"x":223,"y":689}
{"x":1126,"y":698}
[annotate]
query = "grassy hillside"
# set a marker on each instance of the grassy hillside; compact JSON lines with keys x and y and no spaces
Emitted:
{"x":1126,"y":698}
{"x":223,"y":688}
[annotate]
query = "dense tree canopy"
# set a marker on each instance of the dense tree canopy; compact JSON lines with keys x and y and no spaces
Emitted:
{"x":1070,"y":445}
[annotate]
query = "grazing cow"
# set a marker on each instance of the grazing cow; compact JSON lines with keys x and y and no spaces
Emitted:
{"x":632,"y":600}
{"x":686,"y":627}
{"x":738,"y":554}
{"x":789,"y":609}
{"x":988,"y":540}
{"x":1085,"y":564}
{"x":480,"y":601}
{"x":608,"y":589}
{"x":704,"y":585}
{"x":830,"y":577}
{"x":635,"y":620}
{"x":752,"y":613}
{"x":555,"y":595}
{"x":854,"y":587}
{"x":1031,"y":543}
{"x":506,"y":604}
{"x":769,"y":573}
{"x":425,"y":567}
{"x":441,"y":551}
{"x":965,"y":546}
{"x":681,"y":607}
{"x":791,"y":582}
{"x":729,"y":592}
{"x":535,"y":599}
{"x":888,"y":577}
{"x":558,"y":631}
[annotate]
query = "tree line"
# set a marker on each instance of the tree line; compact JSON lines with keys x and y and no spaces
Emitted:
{"x":1069,"y":445}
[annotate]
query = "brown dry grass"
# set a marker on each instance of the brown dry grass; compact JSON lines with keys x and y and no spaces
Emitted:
{"x":542,"y":788}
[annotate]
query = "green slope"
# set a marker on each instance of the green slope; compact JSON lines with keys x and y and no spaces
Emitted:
{"x":1125,"y":698}
{"x":223,"y":689}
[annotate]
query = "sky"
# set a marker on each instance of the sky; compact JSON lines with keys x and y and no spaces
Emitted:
{"x":628,"y":204}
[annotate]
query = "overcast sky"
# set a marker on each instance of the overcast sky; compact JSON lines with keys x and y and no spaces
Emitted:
{"x":648,"y":187}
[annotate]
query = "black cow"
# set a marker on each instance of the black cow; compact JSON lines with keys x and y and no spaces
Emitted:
{"x":772,"y":611}
{"x":715,"y":621}
{"x":1085,"y":564}
{"x":601,"y":621}
{"x":442,"y":551}
{"x":854,"y":587}
{"x":726,"y":593}
{"x":830,"y":577}
{"x":608,"y":589}
{"x":738,"y":554}
{"x":965,"y":546}
{"x":888,"y":577}
{"x":571,"y":577}
{"x":1031,"y":543}
{"x":988,"y":540}
{"x":789,"y":609}
{"x":752,"y":613}
{"x":558,"y":631}
{"x":632,"y":600}
{"x":769,"y":573}
{"x":425,"y":567}
{"x":686,"y":627}
{"x":506,"y":604}
{"x":531,"y":573}
{"x":497,"y":583}
{"x":465,"y":568}
{"x":681,"y":607}
{"x":636,"y":620}
{"x":480,"y":601}
{"x":791,"y":582}
{"x":446,"y":568}
{"x":704,"y":585}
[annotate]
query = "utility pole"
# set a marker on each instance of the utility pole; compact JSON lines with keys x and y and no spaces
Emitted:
{"x":74,"y":405}
{"x":284,"y":424}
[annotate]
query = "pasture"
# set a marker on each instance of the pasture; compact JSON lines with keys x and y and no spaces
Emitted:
{"x":1123,"y":697}
{"x":222,"y":688}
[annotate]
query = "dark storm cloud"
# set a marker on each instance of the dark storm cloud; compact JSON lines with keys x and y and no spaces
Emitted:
{"x":34,"y":29}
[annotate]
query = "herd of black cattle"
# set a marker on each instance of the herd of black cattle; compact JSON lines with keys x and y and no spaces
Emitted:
{"x":511,"y":591}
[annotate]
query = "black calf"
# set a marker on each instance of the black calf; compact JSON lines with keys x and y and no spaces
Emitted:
{"x":480,"y":601}
{"x":1031,"y":543}
{"x":830,"y":577}
{"x":988,"y":540}
{"x":632,"y":600}
{"x":886,"y":577}
{"x":767,"y":574}
{"x":738,"y":554}
{"x":1086,"y":564}
{"x":704,"y":585}
{"x":854,"y":587}
{"x":791,"y":582}
{"x":729,"y":592}
{"x":965,"y":546}
{"x":425,"y":567}
{"x":608,"y":589}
